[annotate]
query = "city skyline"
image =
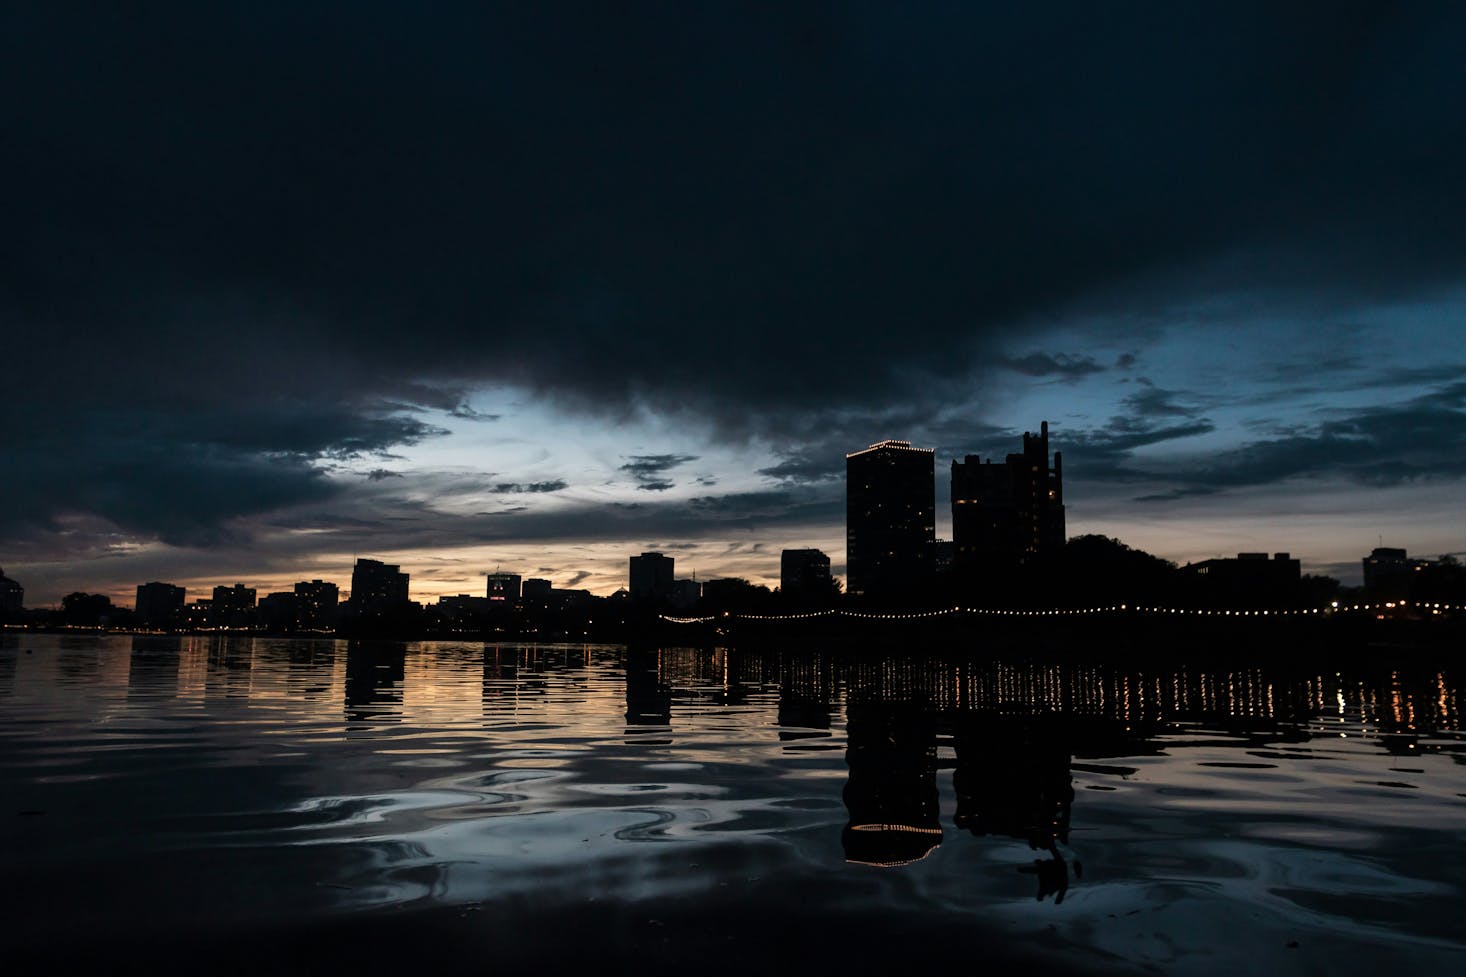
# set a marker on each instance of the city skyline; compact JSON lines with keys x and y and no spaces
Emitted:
{"x":1014,"y":517}
{"x":477,"y":289}
{"x":761,"y":558}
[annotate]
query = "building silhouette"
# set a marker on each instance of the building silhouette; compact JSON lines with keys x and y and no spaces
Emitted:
{"x":944,"y":552}
{"x":1389,"y":572}
{"x":890,"y":518}
{"x":1251,"y":580}
{"x":234,"y":607}
{"x":686,"y":592}
{"x":651,"y":576}
{"x":463,"y":610}
{"x":280,"y":611}
{"x":805,"y":574}
{"x":316,"y":605}
{"x":199,"y":614}
{"x":504,"y":588}
{"x":1010,"y":514}
{"x":377,"y":588}
{"x":12,"y":594}
{"x":158,"y":605}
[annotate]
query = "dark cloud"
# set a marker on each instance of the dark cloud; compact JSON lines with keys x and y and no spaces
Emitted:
{"x":378,"y":474}
{"x":859,"y":167}
{"x":1421,"y":439}
{"x":420,"y":521}
{"x":1172,"y":495}
{"x":750,"y":511}
{"x":467,"y":413}
{"x":1061,"y":365}
{"x":523,"y":488}
{"x":807,"y":467}
{"x":742,"y":503}
{"x":1153,"y":402}
{"x":317,"y":521}
{"x":1106,"y":454}
{"x":246,"y":241}
{"x":1289,"y":382}
{"x":577,"y":578}
{"x":649,"y":470}
{"x":183,"y":476}
{"x":640,"y":465}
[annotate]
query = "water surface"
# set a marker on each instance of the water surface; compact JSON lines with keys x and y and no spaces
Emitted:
{"x":245,"y":803}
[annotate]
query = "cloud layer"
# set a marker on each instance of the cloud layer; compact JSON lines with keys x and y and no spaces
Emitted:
{"x":251,"y":246}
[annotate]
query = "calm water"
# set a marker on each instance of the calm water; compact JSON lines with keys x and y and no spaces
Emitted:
{"x":308,"y":805}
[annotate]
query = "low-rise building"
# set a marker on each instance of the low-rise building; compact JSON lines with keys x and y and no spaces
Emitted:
{"x":234,"y":607}
{"x":1249,"y":581}
{"x":504,"y":588}
{"x":12,"y":594}
{"x":159,"y":605}
{"x":1389,"y":573}
{"x":804,"y":574}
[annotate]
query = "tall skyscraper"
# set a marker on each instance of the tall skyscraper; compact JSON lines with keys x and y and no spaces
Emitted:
{"x":1010,"y":514}
{"x":377,"y":588}
{"x":651,"y":576}
{"x":890,"y":518}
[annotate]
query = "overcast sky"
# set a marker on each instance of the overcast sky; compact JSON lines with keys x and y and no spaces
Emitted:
{"x":539,"y":286}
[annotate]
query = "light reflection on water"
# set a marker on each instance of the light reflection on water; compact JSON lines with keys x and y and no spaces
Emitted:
{"x":1126,"y":815}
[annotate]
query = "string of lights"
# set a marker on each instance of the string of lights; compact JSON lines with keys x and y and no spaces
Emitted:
{"x":1334,"y":608}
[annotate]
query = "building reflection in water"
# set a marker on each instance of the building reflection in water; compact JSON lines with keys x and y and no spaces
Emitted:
{"x":229,"y":666}
{"x":374,"y":676}
{"x":7,"y":674}
{"x":806,"y":692}
{"x":648,"y":697}
{"x":500,"y":690}
{"x":1016,"y":729}
{"x":516,"y":679}
{"x":310,"y":665}
{"x":152,"y":667}
{"x":895,"y":810}
{"x":1012,"y":779}
{"x":1012,"y":744}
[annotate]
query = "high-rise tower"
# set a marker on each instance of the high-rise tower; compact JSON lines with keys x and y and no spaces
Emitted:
{"x":377,"y":588}
{"x":651,"y":576}
{"x":890,"y":518}
{"x":1010,"y":514}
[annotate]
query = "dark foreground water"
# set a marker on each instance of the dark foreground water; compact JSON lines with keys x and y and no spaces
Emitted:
{"x":270,"y":806}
